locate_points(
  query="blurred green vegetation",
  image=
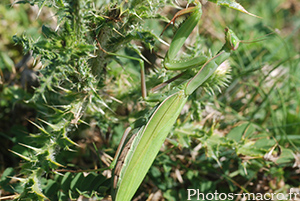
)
(61, 107)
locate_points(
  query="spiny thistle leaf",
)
(22, 156)
(40, 127)
(37, 150)
(36, 187)
(56, 127)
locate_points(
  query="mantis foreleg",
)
(180, 36)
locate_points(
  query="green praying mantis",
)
(132, 162)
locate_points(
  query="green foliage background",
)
(64, 102)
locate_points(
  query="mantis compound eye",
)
(231, 39)
(235, 44)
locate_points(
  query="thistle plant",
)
(74, 75)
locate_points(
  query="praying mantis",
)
(133, 161)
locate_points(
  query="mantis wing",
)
(146, 146)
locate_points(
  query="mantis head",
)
(232, 41)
